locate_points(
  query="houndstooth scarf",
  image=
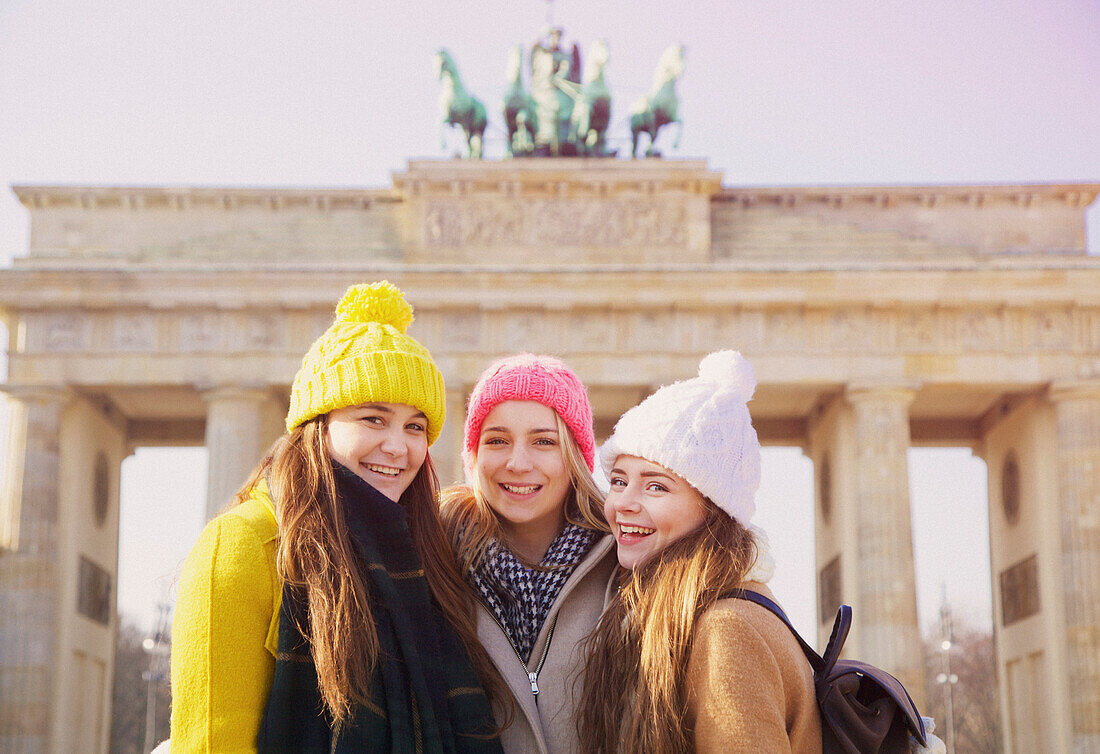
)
(520, 597)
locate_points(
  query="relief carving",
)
(555, 222)
(64, 332)
(1020, 591)
(1053, 329)
(93, 592)
(261, 332)
(980, 330)
(786, 329)
(134, 332)
(587, 333)
(199, 332)
(849, 330)
(917, 329)
(648, 328)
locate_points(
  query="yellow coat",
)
(225, 631)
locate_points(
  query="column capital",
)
(42, 394)
(1074, 390)
(900, 391)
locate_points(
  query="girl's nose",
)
(624, 500)
(393, 444)
(518, 460)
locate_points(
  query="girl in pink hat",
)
(529, 532)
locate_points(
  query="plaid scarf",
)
(521, 597)
(425, 695)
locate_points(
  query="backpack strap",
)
(750, 596)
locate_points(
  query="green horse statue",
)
(519, 109)
(459, 108)
(658, 109)
(592, 108)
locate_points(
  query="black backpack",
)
(864, 709)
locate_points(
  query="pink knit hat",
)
(527, 377)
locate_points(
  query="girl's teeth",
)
(384, 470)
(636, 530)
(518, 490)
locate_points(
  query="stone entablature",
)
(913, 222)
(568, 213)
(113, 226)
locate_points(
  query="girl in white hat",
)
(675, 664)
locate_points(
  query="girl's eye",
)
(373, 419)
(416, 427)
(656, 487)
(546, 441)
(493, 441)
(617, 482)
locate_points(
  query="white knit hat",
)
(700, 429)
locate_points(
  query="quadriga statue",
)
(658, 108)
(592, 106)
(520, 117)
(459, 108)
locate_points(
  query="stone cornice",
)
(1074, 283)
(191, 197)
(1076, 195)
(573, 176)
(691, 176)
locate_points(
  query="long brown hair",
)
(634, 696)
(316, 553)
(472, 525)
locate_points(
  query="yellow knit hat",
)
(365, 356)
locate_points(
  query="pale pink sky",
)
(341, 93)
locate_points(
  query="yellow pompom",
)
(381, 302)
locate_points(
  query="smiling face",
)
(649, 508)
(385, 444)
(522, 474)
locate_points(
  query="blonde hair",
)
(316, 554)
(473, 525)
(634, 696)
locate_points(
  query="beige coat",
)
(545, 724)
(750, 688)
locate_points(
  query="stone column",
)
(1077, 421)
(238, 426)
(447, 450)
(887, 594)
(29, 569)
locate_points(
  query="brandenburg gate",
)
(876, 318)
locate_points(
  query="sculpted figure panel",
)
(199, 332)
(134, 332)
(917, 329)
(786, 329)
(1053, 328)
(61, 332)
(261, 332)
(555, 222)
(981, 330)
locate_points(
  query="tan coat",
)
(545, 724)
(750, 688)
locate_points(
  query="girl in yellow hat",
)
(324, 610)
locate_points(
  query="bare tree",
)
(129, 697)
(976, 712)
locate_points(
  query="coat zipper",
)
(532, 677)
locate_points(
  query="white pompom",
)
(732, 368)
